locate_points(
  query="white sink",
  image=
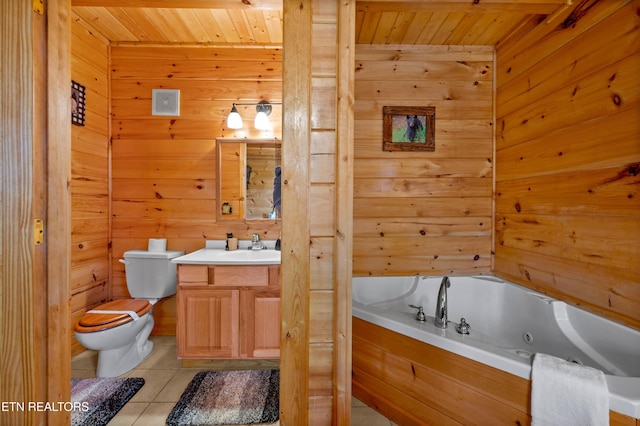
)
(211, 256)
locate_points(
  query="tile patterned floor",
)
(166, 379)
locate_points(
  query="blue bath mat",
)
(97, 401)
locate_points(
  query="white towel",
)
(565, 393)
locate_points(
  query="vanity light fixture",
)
(234, 121)
(263, 110)
(261, 122)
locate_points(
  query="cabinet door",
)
(208, 323)
(261, 324)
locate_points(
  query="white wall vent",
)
(165, 102)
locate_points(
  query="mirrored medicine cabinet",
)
(248, 176)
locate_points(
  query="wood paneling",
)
(164, 168)
(186, 21)
(444, 22)
(259, 22)
(330, 212)
(294, 342)
(457, 80)
(316, 346)
(404, 379)
(343, 249)
(410, 376)
(567, 160)
(58, 195)
(22, 156)
(424, 212)
(90, 233)
(203, 4)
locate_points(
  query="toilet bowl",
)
(121, 338)
(120, 329)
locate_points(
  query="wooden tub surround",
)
(414, 383)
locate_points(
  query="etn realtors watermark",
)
(43, 406)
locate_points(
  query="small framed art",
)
(409, 128)
(78, 99)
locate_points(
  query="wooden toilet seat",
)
(123, 311)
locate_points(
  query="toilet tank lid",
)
(169, 254)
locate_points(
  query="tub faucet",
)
(441, 306)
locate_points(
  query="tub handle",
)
(463, 327)
(420, 316)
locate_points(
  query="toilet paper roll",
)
(157, 244)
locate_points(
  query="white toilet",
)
(120, 329)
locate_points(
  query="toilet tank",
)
(150, 275)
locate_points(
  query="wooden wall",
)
(322, 212)
(568, 158)
(164, 167)
(163, 184)
(424, 212)
(90, 176)
(295, 357)
(316, 264)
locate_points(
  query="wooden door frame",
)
(22, 377)
(343, 257)
(36, 164)
(295, 268)
(58, 220)
(297, 93)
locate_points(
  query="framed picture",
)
(78, 94)
(409, 128)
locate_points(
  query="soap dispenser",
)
(278, 243)
(232, 243)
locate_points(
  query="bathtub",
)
(508, 324)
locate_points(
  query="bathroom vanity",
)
(228, 304)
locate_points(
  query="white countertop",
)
(215, 254)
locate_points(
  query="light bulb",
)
(262, 121)
(234, 121)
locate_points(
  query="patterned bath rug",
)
(97, 401)
(229, 398)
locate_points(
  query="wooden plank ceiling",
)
(259, 22)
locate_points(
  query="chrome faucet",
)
(255, 243)
(441, 306)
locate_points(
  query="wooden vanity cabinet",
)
(229, 312)
(260, 311)
(208, 323)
